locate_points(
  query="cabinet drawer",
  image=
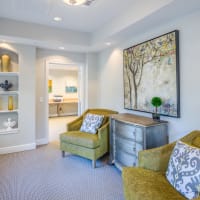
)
(129, 131)
(125, 158)
(128, 146)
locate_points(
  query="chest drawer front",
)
(129, 131)
(125, 158)
(128, 146)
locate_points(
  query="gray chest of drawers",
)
(130, 134)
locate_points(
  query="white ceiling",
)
(80, 18)
(103, 20)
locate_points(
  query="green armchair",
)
(147, 181)
(90, 146)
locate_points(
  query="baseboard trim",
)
(18, 148)
(42, 141)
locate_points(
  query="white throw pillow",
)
(91, 123)
(183, 171)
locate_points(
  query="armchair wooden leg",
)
(94, 163)
(63, 154)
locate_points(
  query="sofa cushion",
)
(91, 123)
(81, 139)
(183, 171)
(140, 183)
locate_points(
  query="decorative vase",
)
(6, 85)
(156, 116)
(5, 62)
(10, 103)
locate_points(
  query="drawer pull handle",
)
(134, 133)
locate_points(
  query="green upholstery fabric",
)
(146, 184)
(81, 139)
(91, 146)
(157, 159)
(147, 181)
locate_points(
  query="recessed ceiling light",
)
(61, 48)
(74, 2)
(78, 2)
(108, 43)
(57, 19)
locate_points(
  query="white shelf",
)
(9, 73)
(9, 111)
(4, 131)
(9, 92)
(12, 77)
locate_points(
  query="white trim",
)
(18, 148)
(42, 141)
(81, 92)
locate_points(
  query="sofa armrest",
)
(156, 159)
(75, 125)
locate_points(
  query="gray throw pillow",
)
(183, 171)
(91, 123)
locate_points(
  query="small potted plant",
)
(156, 102)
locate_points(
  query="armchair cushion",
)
(184, 170)
(91, 123)
(144, 184)
(81, 139)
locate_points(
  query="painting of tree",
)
(152, 69)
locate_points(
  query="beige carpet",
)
(42, 174)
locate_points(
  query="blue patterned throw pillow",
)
(183, 171)
(91, 123)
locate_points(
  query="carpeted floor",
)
(42, 174)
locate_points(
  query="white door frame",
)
(81, 102)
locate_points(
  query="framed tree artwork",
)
(151, 69)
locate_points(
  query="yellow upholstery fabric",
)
(157, 159)
(146, 184)
(81, 138)
(147, 181)
(196, 141)
(91, 146)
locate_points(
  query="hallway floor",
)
(57, 125)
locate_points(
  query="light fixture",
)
(57, 19)
(108, 43)
(61, 48)
(78, 2)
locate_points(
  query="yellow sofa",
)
(147, 181)
(91, 146)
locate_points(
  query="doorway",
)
(64, 96)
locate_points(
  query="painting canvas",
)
(70, 89)
(50, 86)
(151, 69)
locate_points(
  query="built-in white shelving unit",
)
(12, 76)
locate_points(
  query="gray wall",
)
(93, 84)
(103, 81)
(89, 81)
(111, 73)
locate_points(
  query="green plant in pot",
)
(156, 102)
